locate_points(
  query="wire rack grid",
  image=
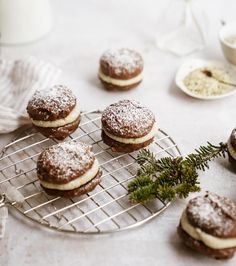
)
(106, 208)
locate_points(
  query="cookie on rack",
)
(208, 225)
(54, 112)
(128, 126)
(120, 69)
(231, 144)
(68, 169)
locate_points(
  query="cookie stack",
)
(128, 126)
(208, 225)
(68, 169)
(54, 112)
(120, 69)
(231, 144)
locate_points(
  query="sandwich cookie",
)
(231, 145)
(54, 112)
(68, 169)
(208, 225)
(128, 126)
(120, 69)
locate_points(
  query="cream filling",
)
(76, 183)
(120, 82)
(73, 115)
(147, 137)
(231, 149)
(208, 240)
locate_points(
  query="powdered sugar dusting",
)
(123, 60)
(128, 119)
(56, 99)
(213, 213)
(66, 160)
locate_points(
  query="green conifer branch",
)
(168, 178)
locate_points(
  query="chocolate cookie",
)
(68, 169)
(120, 69)
(127, 126)
(231, 144)
(54, 112)
(208, 225)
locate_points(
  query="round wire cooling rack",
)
(106, 208)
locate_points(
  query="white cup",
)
(229, 50)
(24, 21)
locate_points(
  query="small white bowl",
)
(229, 50)
(193, 64)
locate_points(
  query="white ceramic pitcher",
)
(24, 21)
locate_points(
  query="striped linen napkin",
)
(18, 81)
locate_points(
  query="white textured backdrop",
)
(82, 30)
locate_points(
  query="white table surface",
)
(82, 30)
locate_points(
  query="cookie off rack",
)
(105, 209)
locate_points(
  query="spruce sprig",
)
(168, 178)
(202, 156)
